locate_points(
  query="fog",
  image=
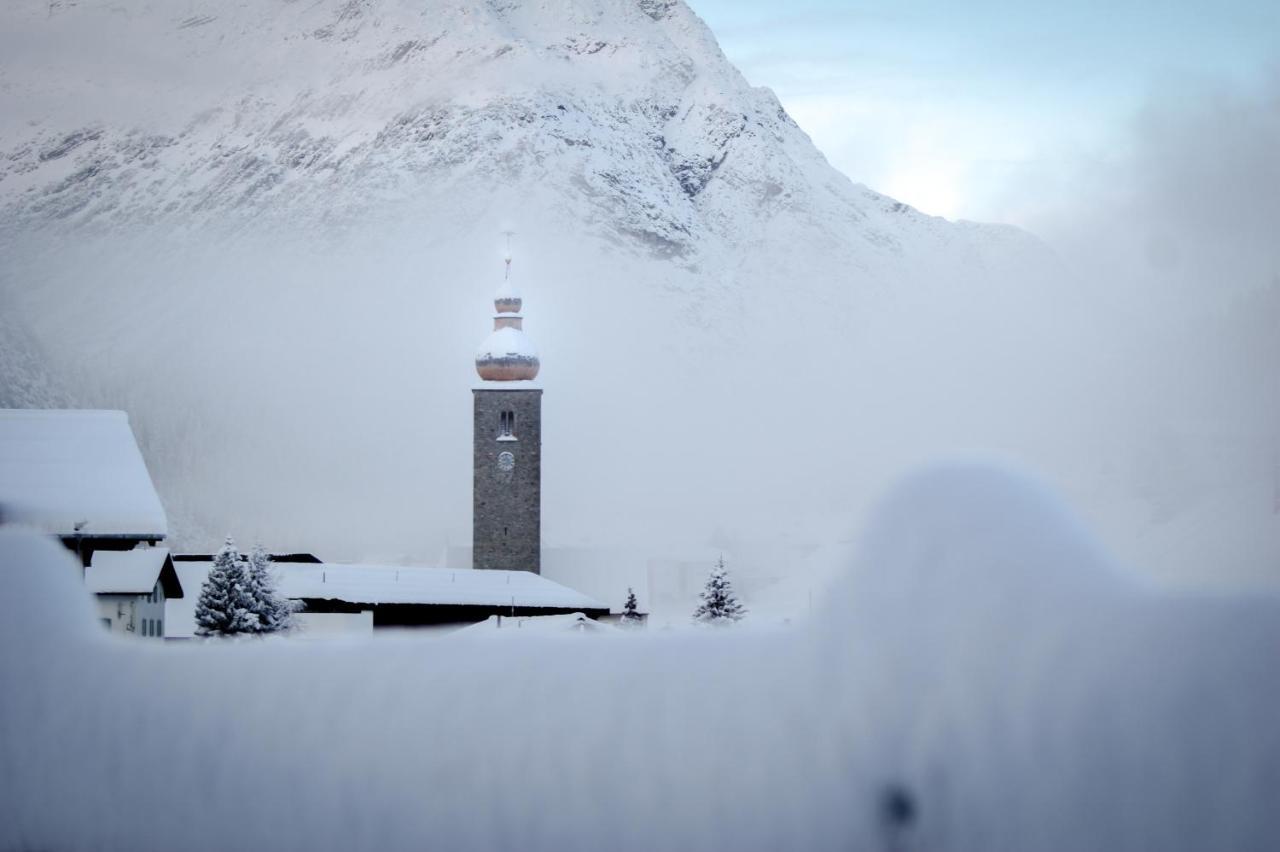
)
(307, 385)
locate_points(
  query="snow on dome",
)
(507, 355)
(508, 299)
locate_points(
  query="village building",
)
(345, 598)
(131, 587)
(79, 476)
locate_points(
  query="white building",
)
(131, 587)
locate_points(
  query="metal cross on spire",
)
(509, 235)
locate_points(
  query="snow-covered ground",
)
(980, 678)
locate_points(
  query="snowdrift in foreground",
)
(983, 679)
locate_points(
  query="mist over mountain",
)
(270, 232)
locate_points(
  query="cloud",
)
(1171, 238)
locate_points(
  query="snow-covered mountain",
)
(334, 111)
(270, 230)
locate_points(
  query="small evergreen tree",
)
(239, 596)
(227, 604)
(719, 604)
(631, 611)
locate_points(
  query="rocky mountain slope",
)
(331, 112)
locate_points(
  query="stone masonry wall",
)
(507, 498)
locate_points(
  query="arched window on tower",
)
(507, 426)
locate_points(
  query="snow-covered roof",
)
(60, 468)
(388, 584)
(374, 584)
(125, 572)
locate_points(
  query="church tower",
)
(506, 525)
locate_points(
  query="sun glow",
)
(930, 187)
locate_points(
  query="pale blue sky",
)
(972, 109)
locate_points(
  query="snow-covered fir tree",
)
(631, 611)
(275, 611)
(227, 604)
(239, 596)
(719, 605)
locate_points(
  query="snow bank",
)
(1033, 696)
(982, 679)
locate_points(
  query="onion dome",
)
(507, 300)
(507, 355)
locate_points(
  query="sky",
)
(983, 109)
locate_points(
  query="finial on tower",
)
(507, 355)
(507, 300)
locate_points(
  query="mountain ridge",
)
(336, 110)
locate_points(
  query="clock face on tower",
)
(506, 462)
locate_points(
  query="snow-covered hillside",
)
(330, 112)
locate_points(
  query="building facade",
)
(131, 589)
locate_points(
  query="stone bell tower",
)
(506, 525)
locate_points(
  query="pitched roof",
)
(131, 572)
(377, 584)
(373, 585)
(63, 468)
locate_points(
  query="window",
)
(507, 425)
(159, 628)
